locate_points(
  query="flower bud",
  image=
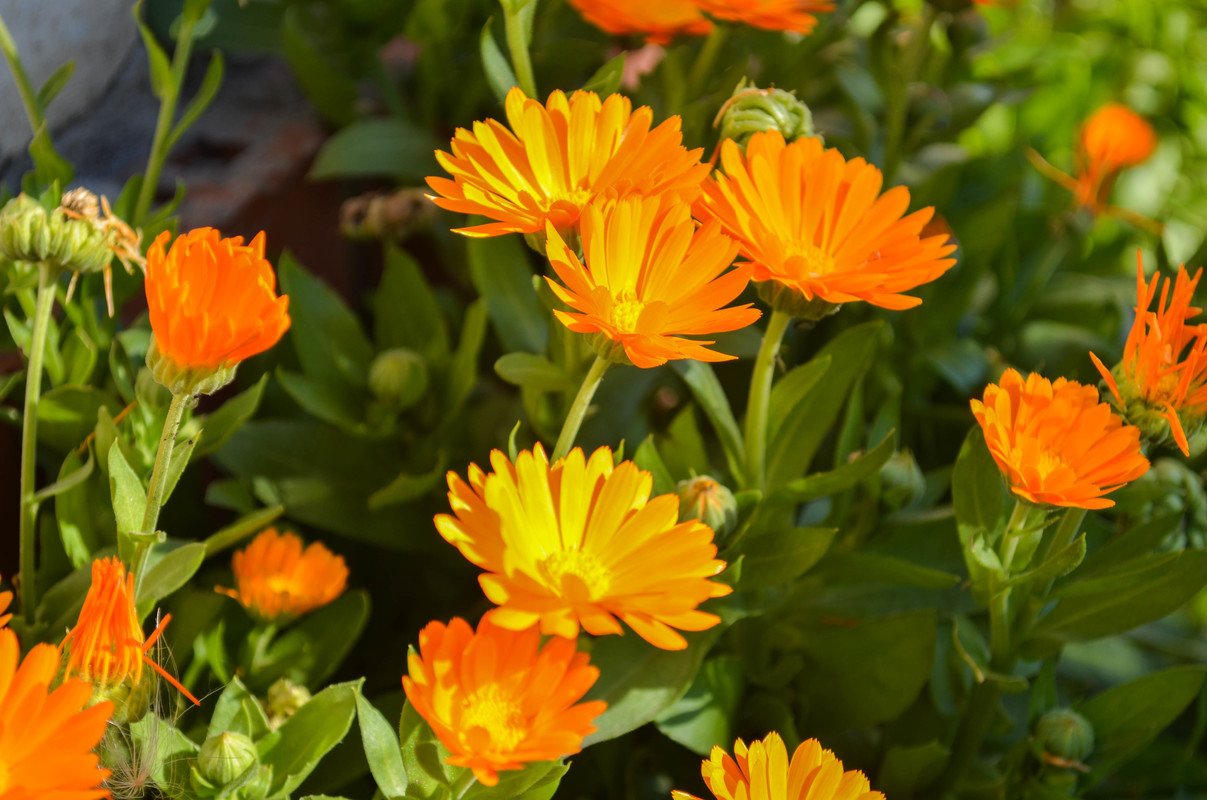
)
(398, 378)
(30, 233)
(705, 499)
(284, 699)
(1065, 734)
(226, 756)
(751, 109)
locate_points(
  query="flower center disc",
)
(580, 576)
(492, 718)
(811, 261)
(626, 311)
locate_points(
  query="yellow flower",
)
(649, 274)
(47, 736)
(556, 157)
(1056, 443)
(764, 772)
(498, 699)
(275, 578)
(580, 543)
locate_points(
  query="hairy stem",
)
(760, 399)
(159, 481)
(578, 409)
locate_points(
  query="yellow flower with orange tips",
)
(580, 543)
(796, 16)
(763, 771)
(212, 303)
(497, 699)
(1161, 383)
(554, 158)
(47, 736)
(649, 274)
(276, 578)
(106, 647)
(817, 226)
(1056, 443)
(659, 22)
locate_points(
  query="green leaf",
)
(530, 371)
(218, 426)
(502, 274)
(702, 717)
(310, 651)
(295, 748)
(1056, 566)
(241, 528)
(908, 768)
(405, 309)
(494, 64)
(798, 437)
(174, 751)
(779, 556)
(463, 371)
(369, 148)
(1127, 717)
(791, 390)
(407, 487)
(206, 93)
(161, 70)
(423, 756)
(76, 511)
(382, 750)
(606, 79)
(182, 453)
(330, 343)
(709, 394)
(67, 481)
(837, 480)
(336, 403)
(977, 490)
(533, 782)
(67, 415)
(239, 711)
(648, 458)
(55, 83)
(326, 83)
(127, 493)
(166, 572)
(868, 567)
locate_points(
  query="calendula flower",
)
(212, 303)
(775, 15)
(1161, 383)
(580, 543)
(5, 599)
(275, 578)
(497, 699)
(816, 227)
(763, 771)
(649, 275)
(556, 157)
(47, 736)
(1056, 442)
(659, 22)
(107, 649)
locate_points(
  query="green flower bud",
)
(284, 699)
(398, 378)
(751, 109)
(226, 756)
(902, 480)
(131, 700)
(710, 502)
(789, 300)
(1065, 734)
(30, 233)
(178, 379)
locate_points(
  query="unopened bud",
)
(751, 109)
(226, 756)
(705, 499)
(284, 699)
(398, 378)
(1065, 734)
(30, 233)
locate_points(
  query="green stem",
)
(517, 44)
(706, 58)
(1034, 594)
(971, 732)
(760, 399)
(159, 481)
(29, 98)
(999, 601)
(163, 123)
(29, 440)
(578, 409)
(898, 98)
(462, 785)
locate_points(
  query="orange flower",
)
(1162, 379)
(106, 647)
(1112, 139)
(1056, 443)
(276, 578)
(816, 224)
(659, 21)
(212, 303)
(497, 699)
(47, 737)
(558, 156)
(5, 599)
(764, 772)
(581, 543)
(649, 274)
(775, 15)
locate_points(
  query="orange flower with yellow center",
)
(649, 274)
(47, 737)
(581, 543)
(212, 303)
(1162, 379)
(275, 578)
(497, 699)
(106, 647)
(659, 22)
(811, 221)
(763, 771)
(775, 15)
(556, 157)
(1056, 442)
